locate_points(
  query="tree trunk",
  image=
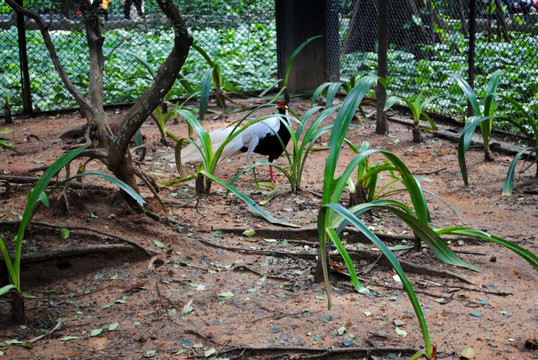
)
(417, 136)
(93, 113)
(119, 159)
(97, 118)
(7, 112)
(358, 197)
(91, 107)
(18, 315)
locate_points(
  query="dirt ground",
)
(122, 285)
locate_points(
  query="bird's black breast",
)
(270, 145)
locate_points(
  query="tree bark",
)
(417, 136)
(18, 314)
(119, 158)
(95, 41)
(93, 113)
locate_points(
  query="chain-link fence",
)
(428, 39)
(238, 35)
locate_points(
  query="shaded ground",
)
(204, 291)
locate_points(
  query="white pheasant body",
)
(259, 138)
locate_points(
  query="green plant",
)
(210, 157)
(205, 172)
(37, 195)
(331, 89)
(364, 188)
(215, 74)
(483, 116)
(330, 231)
(525, 254)
(302, 146)
(332, 190)
(416, 218)
(417, 107)
(529, 128)
(247, 200)
(4, 143)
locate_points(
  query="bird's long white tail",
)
(191, 155)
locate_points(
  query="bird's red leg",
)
(271, 172)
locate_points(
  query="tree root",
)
(92, 154)
(311, 235)
(354, 254)
(72, 251)
(75, 251)
(311, 353)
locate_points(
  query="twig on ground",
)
(310, 234)
(436, 172)
(279, 315)
(246, 268)
(47, 334)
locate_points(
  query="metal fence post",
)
(472, 47)
(26, 95)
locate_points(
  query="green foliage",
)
(416, 218)
(525, 254)
(365, 187)
(245, 52)
(283, 87)
(35, 196)
(484, 116)
(303, 140)
(417, 106)
(247, 200)
(332, 189)
(125, 80)
(210, 157)
(331, 88)
(214, 73)
(408, 287)
(201, 8)
(528, 126)
(6, 144)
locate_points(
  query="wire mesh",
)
(239, 36)
(428, 39)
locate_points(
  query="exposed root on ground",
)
(311, 353)
(354, 254)
(72, 250)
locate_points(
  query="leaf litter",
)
(271, 286)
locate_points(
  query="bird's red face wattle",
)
(281, 105)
